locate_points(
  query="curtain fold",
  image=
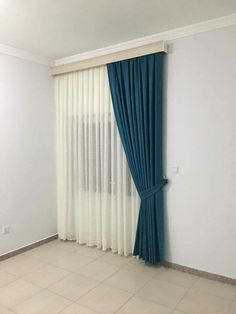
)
(136, 89)
(97, 201)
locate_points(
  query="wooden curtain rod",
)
(109, 58)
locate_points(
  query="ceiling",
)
(60, 28)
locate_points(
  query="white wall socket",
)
(5, 229)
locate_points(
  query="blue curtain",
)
(136, 89)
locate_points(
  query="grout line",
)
(230, 307)
(70, 273)
(131, 297)
(65, 308)
(22, 276)
(27, 298)
(102, 282)
(181, 299)
(180, 311)
(74, 303)
(48, 263)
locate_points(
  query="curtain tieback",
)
(147, 193)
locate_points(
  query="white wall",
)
(27, 170)
(201, 140)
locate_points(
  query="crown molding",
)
(166, 36)
(22, 54)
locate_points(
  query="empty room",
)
(117, 156)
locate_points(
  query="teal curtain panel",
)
(136, 87)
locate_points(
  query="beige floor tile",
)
(232, 308)
(163, 292)
(47, 253)
(89, 251)
(46, 276)
(44, 302)
(104, 299)
(138, 266)
(196, 302)
(6, 278)
(177, 277)
(159, 290)
(73, 246)
(114, 259)
(33, 252)
(73, 286)
(4, 310)
(21, 265)
(68, 246)
(128, 280)
(216, 288)
(140, 306)
(73, 262)
(98, 270)
(16, 292)
(77, 309)
(7, 312)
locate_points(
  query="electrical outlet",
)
(5, 229)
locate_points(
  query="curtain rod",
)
(109, 58)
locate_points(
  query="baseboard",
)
(28, 247)
(201, 273)
(193, 271)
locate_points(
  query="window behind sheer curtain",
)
(97, 200)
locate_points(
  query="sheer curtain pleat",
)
(97, 201)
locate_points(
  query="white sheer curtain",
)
(97, 200)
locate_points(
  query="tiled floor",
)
(66, 278)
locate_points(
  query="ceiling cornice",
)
(170, 35)
(22, 54)
(166, 36)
